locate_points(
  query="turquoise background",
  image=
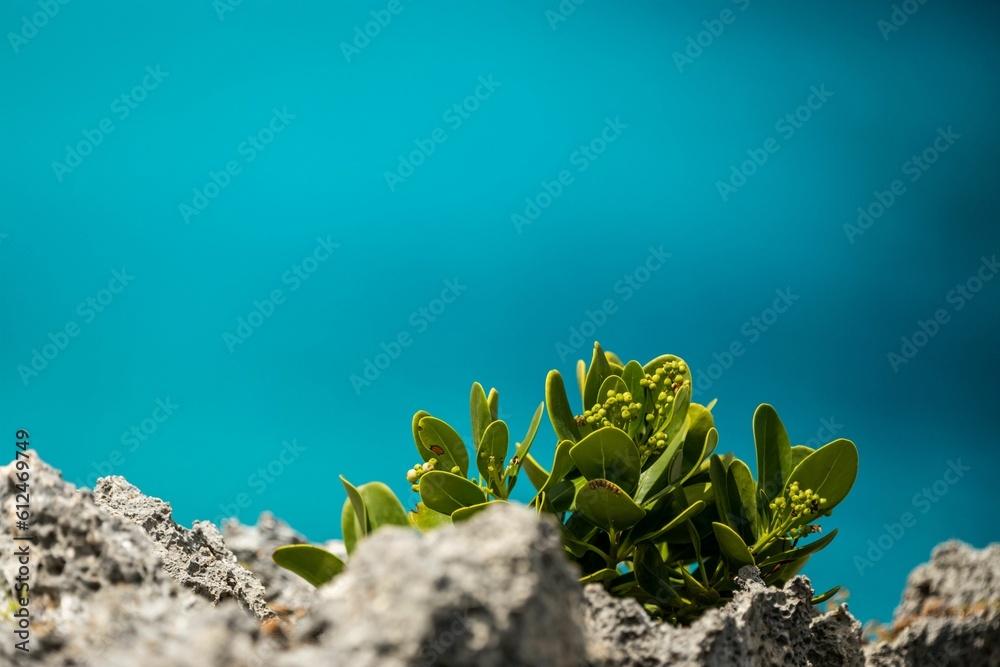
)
(522, 288)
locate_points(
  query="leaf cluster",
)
(646, 506)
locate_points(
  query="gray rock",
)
(949, 614)
(761, 626)
(115, 582)
(98, 593)
(495, 591)
(198, 558)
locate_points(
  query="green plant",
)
(645, 505)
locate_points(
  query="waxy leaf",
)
(742, 501)
(656, 477)
(696, 507)
(734, 549)
(608, 453)
(467, 512)
(378, 507)
(560, 414)
(445, 445)
(606, 506)
(425, 453)
(425, 519)
(633, 375)
(525, 445)
(480, 410)
(315, 565)
(799, 552)
(493, 400)
(830, 471)
(599, 370)
(357, 527)
(444, 492)
(493, 452)
(537, 475)
(774, 453)
(800, 452)
(651, 573)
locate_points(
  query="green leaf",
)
(774, 453)
(560, 414)
(633, 375)
(353, 517)
(800, 452)
(695, 507)
(607, 574)
(468, 512)
(608, 453)
(525, 446)
(719, 473)
(697, 445)
(605, 505)
(480, 410)
(315, 565)
(652, 574)
(537, 475)
(425, 519)
(742, 501)
(493, 400)
(599, 370)
(494, 444)
(830, 471)
(562, 465)
(425, 453)
(734, 549)
(656, 476)
(825, 596)
(444, 492)
(799, 552)
(378, 507)
(445, 444)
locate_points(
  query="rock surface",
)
(950, 613)
(115, 582)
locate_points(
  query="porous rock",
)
(98, 593)
(495, 591)
(761, 626)
(949, 615)
(198, 558)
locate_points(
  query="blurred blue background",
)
(213, 154)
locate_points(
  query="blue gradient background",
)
(324, 175)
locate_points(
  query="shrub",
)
(645, 505)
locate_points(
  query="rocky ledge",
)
(115, 582)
